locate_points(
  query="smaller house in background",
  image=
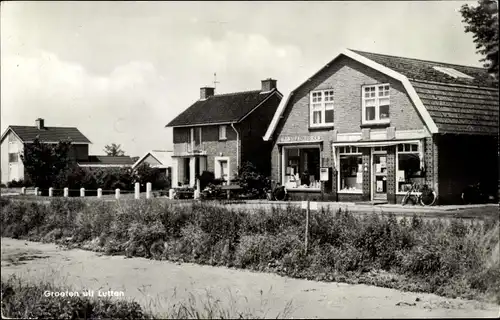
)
(105, 161)
(160, 159)
(15, 137)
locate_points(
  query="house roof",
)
(162, 156)
(103, 160)
(221, 108)
(416, 69)
(48, 134)
(446, 104)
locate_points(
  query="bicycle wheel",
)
(280, 194)
(428, 199)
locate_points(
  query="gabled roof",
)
(103, 160)
(162, 156)
(416, 69)
(446, 104)
(221, 108)
(48, 134)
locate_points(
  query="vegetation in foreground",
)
(453, 259)
(22, 300)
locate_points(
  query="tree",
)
(43, 162)
(482, 21)
(114, 150)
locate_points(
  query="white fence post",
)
(137, 189)
(36, 191)
(117, 193)
(66, 192)
(82, 192)
(23, 190)
(171, 194)
(148, 190)
(99, 193)
(51, 192)
(197, 190)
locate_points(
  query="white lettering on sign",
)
(300, 139)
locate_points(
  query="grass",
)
(32, 300)
(453, 258)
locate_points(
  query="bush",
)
(254, 184)
(453, 259)
(19, 183)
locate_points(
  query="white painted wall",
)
(11, 171)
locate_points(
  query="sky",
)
(120, 71)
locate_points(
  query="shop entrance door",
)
(379, 174)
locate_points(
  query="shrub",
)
(430, 255)
(19, 183)
(252, 181)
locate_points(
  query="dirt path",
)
(159, 284)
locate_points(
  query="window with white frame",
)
(376, 103)
(222, 132)
(321, 110)
(350, 169)
(409, 165)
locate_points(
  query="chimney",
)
(40, 124)
(268, 85)
(206, 92)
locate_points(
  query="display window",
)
(350, 170)
(302, 168)
(409, 166)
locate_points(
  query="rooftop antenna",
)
(215, 81)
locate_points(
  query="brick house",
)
(219, 132)
(15, 137)
(367, 125)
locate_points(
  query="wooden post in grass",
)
(23, 191)
(66, 192)
(82, 192)
(306, 241)
(51, 192)
(117, 194)
(148, 190)
(36, 191)
(137, 189)
(99, 193)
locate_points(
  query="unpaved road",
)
(159, 284)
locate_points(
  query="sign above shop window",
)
(301, 139)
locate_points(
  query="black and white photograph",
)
(249, 159)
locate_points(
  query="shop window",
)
(350, 169)
(302, 168)
(409, 166)
(321, 108)
(376, 103)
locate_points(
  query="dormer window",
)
(321, 108)
(376, 103)
(453, 73)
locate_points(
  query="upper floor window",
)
(321, 110)
(222, 132)
(13, 157)
(376, 102)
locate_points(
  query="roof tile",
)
(221, 108)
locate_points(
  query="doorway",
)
(379, 173)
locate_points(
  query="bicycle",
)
(424, 195)
(475, 194)
(279, 194)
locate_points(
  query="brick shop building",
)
(367, 126)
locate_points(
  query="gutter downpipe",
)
(237, 147)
